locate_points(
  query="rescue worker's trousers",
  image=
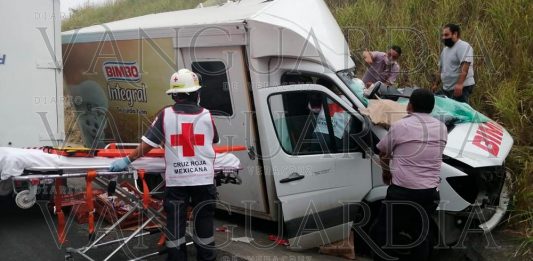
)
(202, 199)
(407, 223)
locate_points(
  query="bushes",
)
(501, 35)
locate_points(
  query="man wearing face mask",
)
(382, 66)
(456, 66)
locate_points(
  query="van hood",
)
(479, 144)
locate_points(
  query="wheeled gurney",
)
(33, 166)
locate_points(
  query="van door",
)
(309, 135)
(226, 94)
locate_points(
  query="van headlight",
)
(482, 185)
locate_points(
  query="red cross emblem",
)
(187, 139)
(334, 108)
(175, 78)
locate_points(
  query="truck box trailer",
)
(31, 77)
(261, 64)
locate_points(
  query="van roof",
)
(303, 28)
(230, 12)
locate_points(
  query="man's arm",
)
(395, 71)
(436, 76)
(385, 147)
(436, 81)
(466, 61)
(216, 138)
(151, 139)
(384, 162)
(458, 89)
(142, 149)
(124, 162)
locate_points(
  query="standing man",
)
(414, 147)
(382, 66)
(456, 66)
(188, 133)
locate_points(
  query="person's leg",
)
(442, 92)
(383, 233)
(428, 200)
(403, 221)
(175, 205)
(409, 208)
(203, 200)
(467, 91)
(380, 233)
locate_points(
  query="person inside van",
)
(340, 118)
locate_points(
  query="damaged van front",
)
(474, 180)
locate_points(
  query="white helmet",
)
(184, 81)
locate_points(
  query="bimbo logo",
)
(489, 138)
(121, 71)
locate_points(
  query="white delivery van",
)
(31, 85)
(265, 67)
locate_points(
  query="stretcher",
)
(30, 167)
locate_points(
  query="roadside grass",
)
(117, 10)
(500, 32)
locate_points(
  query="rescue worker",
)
(188, 133)
(411, 159)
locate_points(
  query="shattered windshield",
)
(446, 110)
(356, 85)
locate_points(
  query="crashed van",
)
(261, 64)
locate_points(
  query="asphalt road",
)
(26, 235)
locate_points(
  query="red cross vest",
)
(340, 119)
(189, 153)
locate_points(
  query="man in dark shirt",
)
(188, 133)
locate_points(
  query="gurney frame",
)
(100, 176)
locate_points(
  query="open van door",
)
(314, 142)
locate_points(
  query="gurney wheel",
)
(24, 200)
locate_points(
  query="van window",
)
(214, 94)
(310, 122)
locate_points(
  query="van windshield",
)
(449, 111)
(355, 85)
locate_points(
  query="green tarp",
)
(447, 109)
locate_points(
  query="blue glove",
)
(120, 164)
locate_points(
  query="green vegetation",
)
(501, 35)
(499, 30)
(117, 10)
